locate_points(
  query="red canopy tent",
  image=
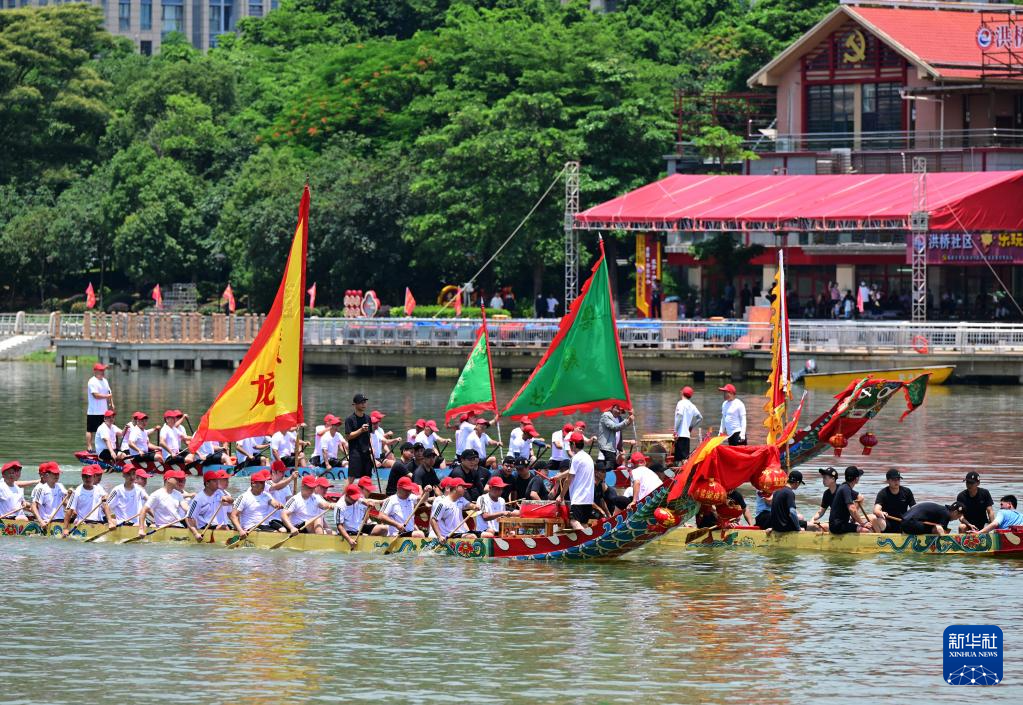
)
(961, 201)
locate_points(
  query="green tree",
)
(717, 143)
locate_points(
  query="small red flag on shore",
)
(228, 296)
(458, 303)
(158, 296)
(90, 296)
(312, 295)
(410, 302)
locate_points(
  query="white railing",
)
(719, 335)
(21, 323)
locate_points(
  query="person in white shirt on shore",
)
(733, 417)
(687, 418)
(48, 496)
(100, 399)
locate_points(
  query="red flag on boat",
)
(458, 303)
(90, 296)
(228, 296)
(410, 302)
(158, 296)
(312, 295)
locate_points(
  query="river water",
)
(101, 623)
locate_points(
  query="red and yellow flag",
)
(265, 394)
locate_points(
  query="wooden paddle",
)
(444, 541)
(10, 514)
(394, 543)
(108, 530)
(365, 518)
(83, 519)
(291, 536)
(149, 533)
(238, 540)
(202, 535)
(63, 503)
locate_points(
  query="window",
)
(124, 16)
(830, 108)
(146, 15)
(273, 4)
(172, 17)
(146, 48)
(221, 19)
(255, 9)
(882, 107)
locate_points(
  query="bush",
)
(208, 309)
(140, 305)
(449, 312)
(118, 307)
(77, 307)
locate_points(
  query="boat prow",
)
(837, 380)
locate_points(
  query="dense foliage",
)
(427, 129)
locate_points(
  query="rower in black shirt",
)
(468, 468)
(844, 508)
(424, 475)
(891, 504)
(829, 478)
(784, 517)
(605, 498)
(357, 433)
(402, 467)
(931, 518)
(978, 507)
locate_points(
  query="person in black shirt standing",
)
(425, 476)
(844, 508)
(357, 432)
(829, 478)
(891, 504)
(402, 467)
(931, 518)
(784, 517)
(978, 507)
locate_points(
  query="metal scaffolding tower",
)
(571, 238)
(918, 227)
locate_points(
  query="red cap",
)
(170, 414)
(580, 424)
(496, 481)
(331, 420)
(98, 367)
(323, 482)
(109, 414)
(87, 470)
(687, 392)
(375, 416)
(353, 491)
(365, 483)
(457, 482)
(310, 481)
(431, 424)
(14, 464)
(139, 472)
(530, 430)
(261, 476)
(566, 428)
(406, 483)
(278, 466)
(174, 474)
(139, 415)
(445, 482)
(420, 423)
(464, 417)
(49, 466)
(727, 388)
(577, 438)
(481, 420)
(210, 475)
(638, 458)
(524, 420)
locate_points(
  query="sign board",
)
(648, 268)
(971, 248)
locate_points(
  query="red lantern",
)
(770, 479)
(709, 491)
(838, 442)
(666, 518)
(729, 511)
(869, 440)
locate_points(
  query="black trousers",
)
(681, 449)
(359, 465)
(735, 440)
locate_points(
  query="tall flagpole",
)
(490, 367)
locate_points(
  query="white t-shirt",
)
(49, 498)
(515, 442)
(686, 416)
(400, 510)
(249, 446)
(327, 446)
(252, 508)
(106, 438)
(448, 514)
(428, 441)
(733, 417)
(496, 302)
(205, 507)
(83, 501)
(139, 437)
(126, 503)
(170, 437)
(301, 509)
(410, 435)
(10, 499)
(478, 443)
(648, 480)
(350, 515)
(581, 470)
(558, 453)
(376, 441)
(97, 386)
(464, 429)
(166, 506)
(283, 443)
(486, 505)
(282, 495)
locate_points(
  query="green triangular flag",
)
(474, 390)
(582, 370)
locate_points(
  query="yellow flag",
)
(265, 393)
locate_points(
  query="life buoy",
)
(446, 294)
(921, 344)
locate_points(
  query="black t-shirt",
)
(928, 511)
(736, 496)
(782, 504)
(476, 478)
(827, 498)
(536, 484)
(509, 480)
(359, 444)
(975, 508)
(399, 470)
(424, 476)
(844, 496)
(895, 504)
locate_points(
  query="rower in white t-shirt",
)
(279, 487)
(248, 450)
(304, 511)
(282, 445)
(253, 508)
(446, 518)
(410, 435)
(127, 500)
(171, 436)
(12, 496)
(166, 505)
(559, 443)
(644, 480)
(136, 438)
(380, 440)
(399, 507)
(465, 427)
(48, 496)
(206, 505)
(328, 443)
(491, 508)
(106, 440)
(87, 501)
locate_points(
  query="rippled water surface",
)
(102, 623)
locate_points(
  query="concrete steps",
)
(15, 347)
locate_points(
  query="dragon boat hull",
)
(1000, 544)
